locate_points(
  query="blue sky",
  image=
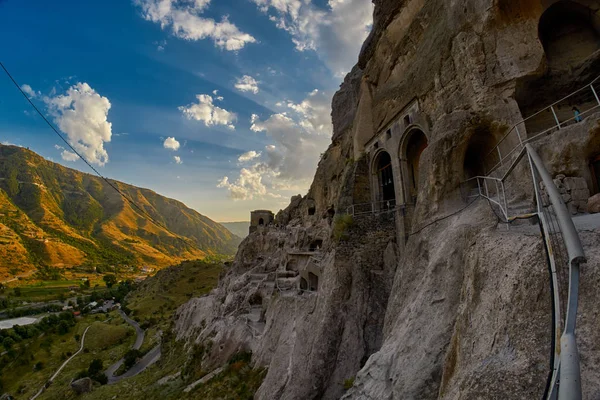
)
(221, 104)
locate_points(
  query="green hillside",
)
(57, 216)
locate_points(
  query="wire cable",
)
(131, 202)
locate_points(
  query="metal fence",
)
(550, 119)
(372, 208)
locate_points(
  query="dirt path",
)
(62, 366)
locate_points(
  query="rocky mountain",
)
(239, 229)
(392, 278)
(58, 216)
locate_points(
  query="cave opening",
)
(316, 245)
(569, 33)
(261, 222)
(476, 160)
(303, 284)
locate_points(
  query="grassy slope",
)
(107, 341)
(57, 216)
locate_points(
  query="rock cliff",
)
(386, 281)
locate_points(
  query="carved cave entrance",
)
(476, 160)
(570, 35)
(385, 176)
(261, 222)
(414, 145)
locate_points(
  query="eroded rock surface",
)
(425, 296)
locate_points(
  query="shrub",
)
(348, 383)
(341, 225)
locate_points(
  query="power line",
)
(131, 202)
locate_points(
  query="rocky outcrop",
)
(83, 385)
(432, 299)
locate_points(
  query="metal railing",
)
(513, 141)
(565, 253)
(372, 208)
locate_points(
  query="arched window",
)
(313, 282)
(414, 145)
(261, 222)
(385, 177)
(569, 32)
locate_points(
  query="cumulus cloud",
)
(29, 91)
(335, 32)
(247, 84)
(82, 114)
(171, 143)
(66, 154)
(184, 18)
(177, 160)
(249, 156)
(298, 138)
(205, 110)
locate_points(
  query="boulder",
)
(593, 204)
(83, 385)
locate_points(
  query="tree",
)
(131, 357)
(8, 343)
(110, 280)
(95, 366)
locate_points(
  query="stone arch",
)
(382, 170)
(313, 282)
(303, 284)
(414, 142)
(569, 33)
(292, 265)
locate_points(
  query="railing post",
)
(555, 117)
(487, 192)
(595, 94)
(499, 154)
(505, 203)
(478, 186)
(518, 134)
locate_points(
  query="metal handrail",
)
(522, 141)
(567, 367)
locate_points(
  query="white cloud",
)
(298, 138)
(215, 92)
(247, 84)
(82, 114)
(177, 160)
(69, 156)
(336, 33)
(171, 143)
(29, 91)
(160, 45)
(206, 111)
(249, 156)
(184, 19)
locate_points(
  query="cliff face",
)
(57, 216)
(431, 298)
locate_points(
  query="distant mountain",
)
(57, 216)
(237, 228)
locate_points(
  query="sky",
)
(221, 104)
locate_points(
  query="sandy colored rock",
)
(593, 204)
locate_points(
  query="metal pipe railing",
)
(515, 128)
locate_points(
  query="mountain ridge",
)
(54, 215)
